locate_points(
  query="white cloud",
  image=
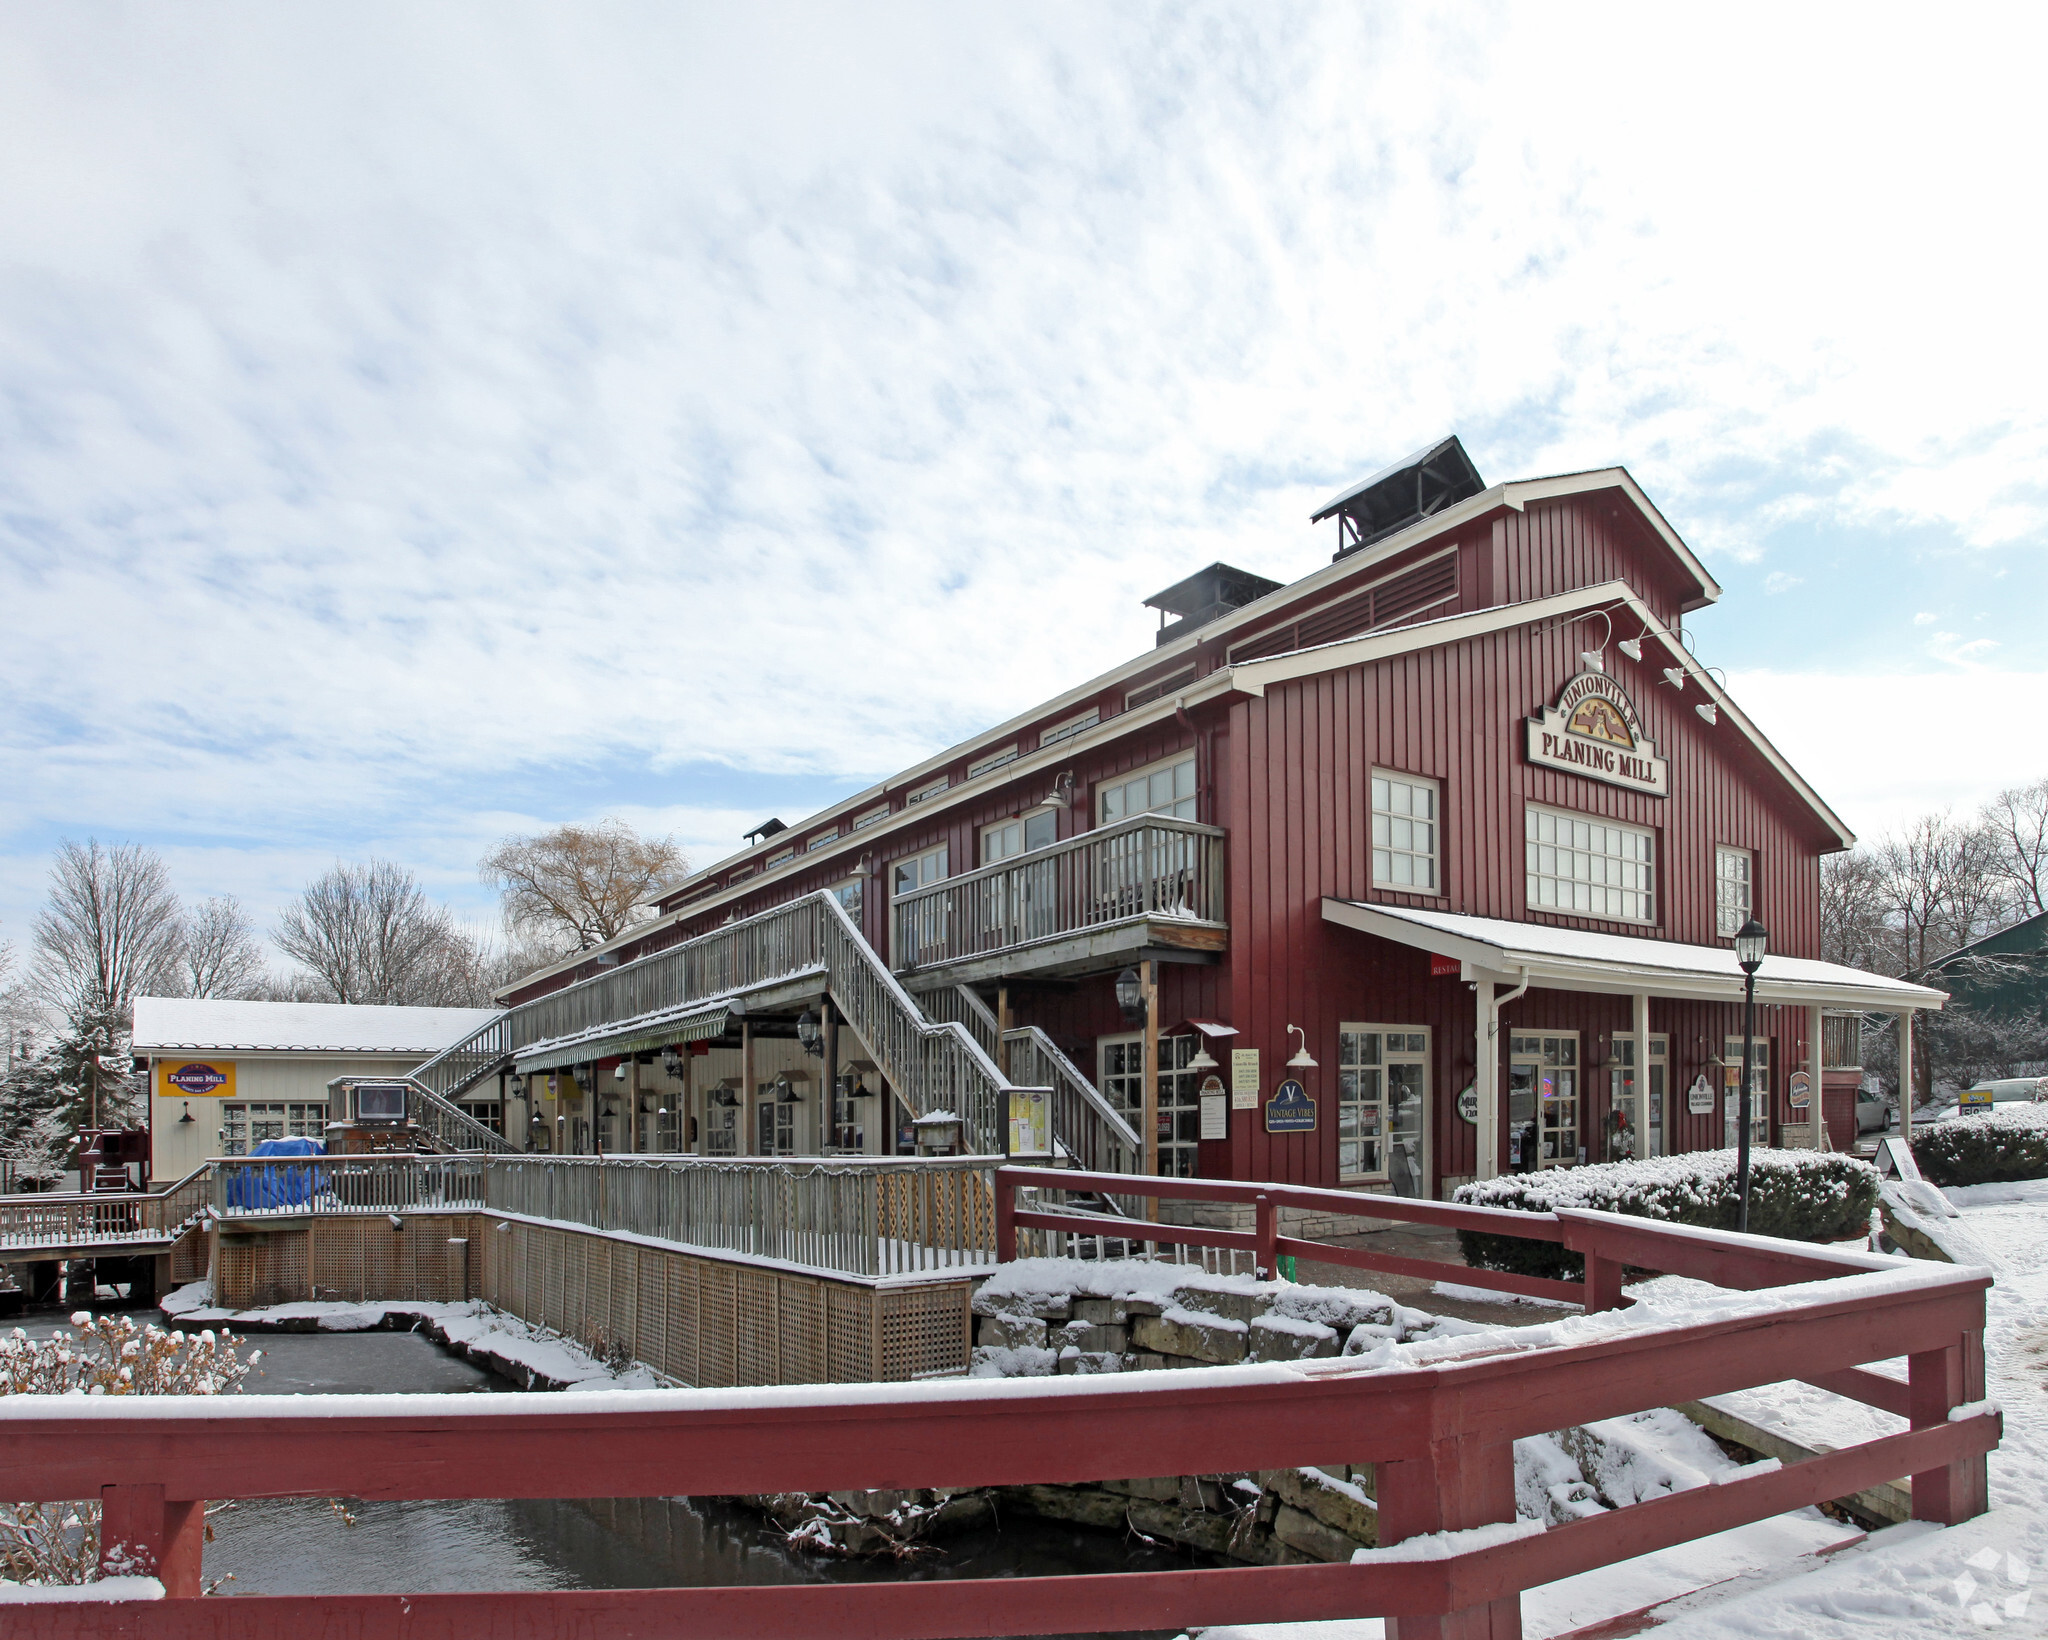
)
(409, 413)
(1778, 581)
(1925, 618)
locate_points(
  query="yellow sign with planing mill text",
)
(195, 1079)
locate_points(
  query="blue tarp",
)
(250, 1188)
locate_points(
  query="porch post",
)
(828, 1107)
(746, 1144)
(1816, 1063)
(1906, 1072)
(1486, 1080)
(1640, 1113)
(1148, 985)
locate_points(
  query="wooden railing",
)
(257, 1187)
(54, 1221)
(853, 1216)
(1440, 1433)
(1151, 865)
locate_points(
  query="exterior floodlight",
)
(1674, 676)
(1591, 661)
(1631, 647)
(1130, 996)
(1301, 1060)
(1708, 712)
(808, 1033)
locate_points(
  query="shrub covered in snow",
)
(1806, 1195)
(2006, 1144)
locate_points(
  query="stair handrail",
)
(450, 1124)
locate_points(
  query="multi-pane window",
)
(1759, 1090)
(781, 857)
(1382, 1092)
(1071, 727)
(871, 816)
(993, 760)
(850, 895)
(245, 1124)
(822, 839)
(490, 1112)
(1732, 891)
(775, 1123)
(1008, 838)
(1543, 1100)
(920, 870)
(1180, 1106)
(931, 790)
(1590, 867)
(1642, 1131)
(1167, 789)
(1404, 832)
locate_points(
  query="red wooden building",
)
(1406, 867)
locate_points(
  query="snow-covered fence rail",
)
(52, 1222)
(247, 1187)
(1438, 1423)
(889, 1216)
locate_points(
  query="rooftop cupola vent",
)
(1204, 596)
(1417, 487)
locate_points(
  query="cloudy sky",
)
(422, 424)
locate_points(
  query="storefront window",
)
(1543, 1101)
(1382, 1097)
(1589, 867)
(1122, 1081)
(775, 1123)
(247, 1124)
(1759, 1089)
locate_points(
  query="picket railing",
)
(258, 1187)
(92, 1220)
(1149, 866)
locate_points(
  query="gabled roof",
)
(2024, 938)
(211, 1025)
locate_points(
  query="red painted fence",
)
(1442, 1435)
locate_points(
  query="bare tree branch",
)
(221, 956)
(110, 930)
(2017, 821)
(369, 934)
(579, 886)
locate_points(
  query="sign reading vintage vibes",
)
(1593, 730)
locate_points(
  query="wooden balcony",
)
(1149, 885)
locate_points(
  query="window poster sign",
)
(195, 1078)
(1290, 1110)
(1030, 1130)
(1593, 730)
(1215, 1109)
(1699, 1098)
(1800, 1090)
(1244, 1078)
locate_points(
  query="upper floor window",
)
(1589, 867)
(1733, 893)
(781, 856)
(1071, 727)
(849, 895)
(1008, 838)
(879, 812)
(930, 790)
(822, 839)
(1159, 690)
(919, 871)
(1404, 832)
(1167, 788)
(994, 760)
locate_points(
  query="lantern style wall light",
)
(1130, 996)
(809, 1034)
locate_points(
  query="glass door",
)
(1382, 1106)
(1543, 1100)
(1641, 1133)
(1759, 1091)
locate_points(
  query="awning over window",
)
(644, 1035)
(1574, 959)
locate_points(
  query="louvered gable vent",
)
(1393, 599)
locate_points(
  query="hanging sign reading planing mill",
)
(1593, 730)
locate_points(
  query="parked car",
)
(2004, 1090)
(1874, 1112)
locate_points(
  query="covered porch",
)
(1503, 961)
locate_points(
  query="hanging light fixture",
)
(1675, 677)
(515, 1085)
(1709, 712)
(188, 1116)
(1204, 1060)
(1301, 1060)
(785, 1090)
(619, 1070)
(1631, 647)
(671, 1063)
(809, 1034)
(1591, 660)
(1130, 996)
(723, 1094)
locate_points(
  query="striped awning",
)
(641, 1036)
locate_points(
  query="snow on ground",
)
(1776, 1579)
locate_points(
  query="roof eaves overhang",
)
(1481, 959)
(1255, 677)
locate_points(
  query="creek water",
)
(301, 1546)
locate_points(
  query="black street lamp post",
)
(1750, 944)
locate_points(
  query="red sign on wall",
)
(1442, 967)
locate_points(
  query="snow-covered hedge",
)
(1806, 1195)
(2005, 1144)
